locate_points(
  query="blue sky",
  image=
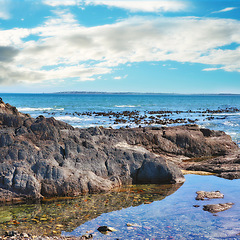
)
(174, 46)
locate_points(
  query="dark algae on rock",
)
(44, 157)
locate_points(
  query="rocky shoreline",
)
(44, 157)
(163, 117)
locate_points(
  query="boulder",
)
(159, 171)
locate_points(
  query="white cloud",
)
(143, 5)
(225, 10)
(66, 49)
(132, 5)
(211, 69)
(55, 3)
(120, 77)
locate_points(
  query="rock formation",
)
(44, 157)
(202, 195)
(215, 208)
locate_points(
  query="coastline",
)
(50, 130)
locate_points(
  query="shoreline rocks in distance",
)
(44, 157)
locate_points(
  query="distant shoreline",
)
(132, 93)
(146, 93)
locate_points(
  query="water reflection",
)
(55, 216)
(174, 217)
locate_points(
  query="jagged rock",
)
(215, 208)
(45, 157)
(202, 195)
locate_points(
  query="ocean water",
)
(72, 108)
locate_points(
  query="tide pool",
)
(154, 211)
(174, 217)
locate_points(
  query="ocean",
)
(217, 112)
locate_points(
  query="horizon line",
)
(119, 93)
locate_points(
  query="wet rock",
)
(133, 225)
(226, 166)
(215, 208)
(202, 195)
(11, 233)
(105, 229)
(196, 206)
(24, 235)
(87, 236)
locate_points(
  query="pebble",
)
(12, 235)
(196, 206)
(104, 229)
(132, 225)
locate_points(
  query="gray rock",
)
(215, 208)
(104, 229)
(202, 195)
(159, 171)
(226, 166)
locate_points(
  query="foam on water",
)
(32, 109)
(69, 119)
(232, 124)
(226, 114)
(125, 106)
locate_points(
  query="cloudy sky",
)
(169, 46)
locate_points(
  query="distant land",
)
(114, 93)
(146, 93)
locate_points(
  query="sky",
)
(159, 46)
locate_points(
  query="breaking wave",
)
(125, 106)
(31, 109)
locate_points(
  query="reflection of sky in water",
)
(175, 217)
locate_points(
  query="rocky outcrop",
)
(202, 195)
(215, 208)
(45, 157)
(226, 166)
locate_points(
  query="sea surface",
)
(155, 212)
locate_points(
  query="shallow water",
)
(54, 215)
(175, 217)
(157, 211)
